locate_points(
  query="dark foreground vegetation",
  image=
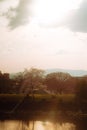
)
(33, 91)
(20, 102)
(21, 106)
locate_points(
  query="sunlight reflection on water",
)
(35, 125)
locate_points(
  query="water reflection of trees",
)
(42, 125)
(45, 125)
(27, 125)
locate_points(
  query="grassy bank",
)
(20, 106)
(19, 102)
(40, 102)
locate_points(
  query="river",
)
(42, 123)
(35, 125)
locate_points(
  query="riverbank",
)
(20, 102)
(23, 107)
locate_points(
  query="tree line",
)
(36, 79)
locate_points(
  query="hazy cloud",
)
(22, 14)
(77, 19)
(19, 15)
(62, 52)
(2, 0)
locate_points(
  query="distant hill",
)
(75, 73)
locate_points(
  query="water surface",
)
(35, 125)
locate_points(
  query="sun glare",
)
(48, 12)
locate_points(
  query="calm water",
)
(35, 125)
(45, 122)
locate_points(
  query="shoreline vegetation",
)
(19, 106)
(32, 91)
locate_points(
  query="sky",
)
(43, 34)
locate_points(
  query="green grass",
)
(40, 102)
(38, 97)
(66, 97)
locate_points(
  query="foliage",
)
(56, 81)
(81, 90)
(32, 79)
(5, 83)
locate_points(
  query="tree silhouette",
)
(56, 81)
(33, 79)
(81, 90)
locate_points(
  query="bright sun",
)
(49, 12)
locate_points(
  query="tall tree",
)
(33, 79)
(55, 81)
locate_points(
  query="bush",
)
(81, 90)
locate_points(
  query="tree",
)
(32, 79)
(55, 81)
(17, 81)
(5, 83)
(81, 90)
